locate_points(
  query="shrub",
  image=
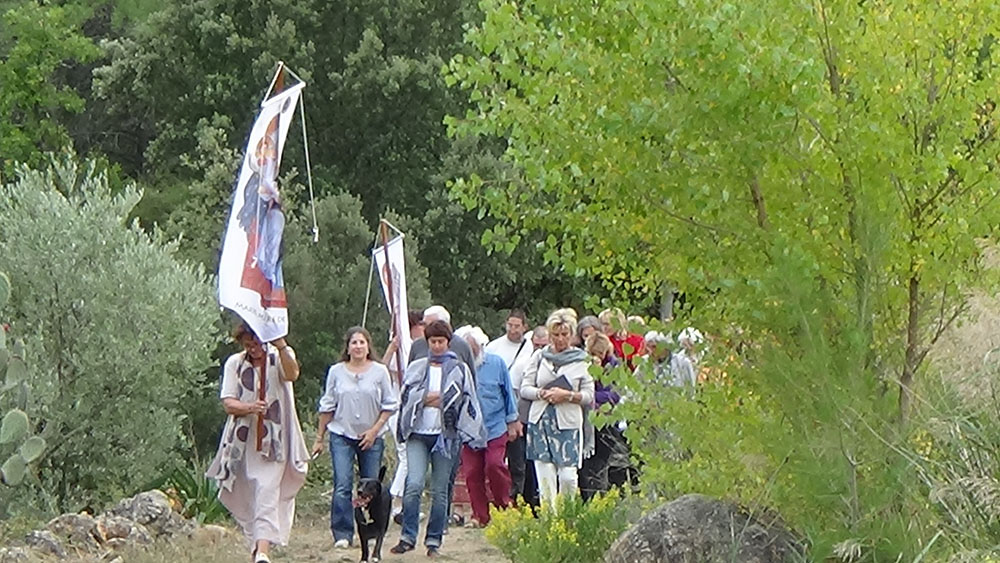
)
(573, 532)
(118, 330)
(198, 495)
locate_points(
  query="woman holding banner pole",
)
(262, 458)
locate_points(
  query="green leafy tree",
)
(184, 88)
(36, 42)
(375, 100)
(479, 283)
(813, 177)
(199, 212)
(732, 146)
(122, 331)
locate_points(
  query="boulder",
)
(152, 509)
(136, 521)
(45, 542)
(14, 555)
(700, 529)
(77, 530)
(122, 531)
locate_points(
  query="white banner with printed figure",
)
(251, 283)
(394, 271)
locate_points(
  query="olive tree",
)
(119, 331)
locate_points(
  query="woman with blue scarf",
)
(440, 412)
(559, 386)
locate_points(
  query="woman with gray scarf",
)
(439, 413)
(558, 383)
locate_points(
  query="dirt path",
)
(311, 542)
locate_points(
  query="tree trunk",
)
(758, 204)
(666, 302)
(912, 347)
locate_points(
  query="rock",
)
(115, 544)
(44, 541)
(14, 555)
(152, 509)
(123, 530)
(78, 530)
(700, 529)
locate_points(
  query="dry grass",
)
(968, 354)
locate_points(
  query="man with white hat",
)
(499, 410)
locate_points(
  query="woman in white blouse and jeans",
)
(358, 401)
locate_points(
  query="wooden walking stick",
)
(262, 395)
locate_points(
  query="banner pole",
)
(368, 292)
(277, 85)
(276, 82)
(393, 317)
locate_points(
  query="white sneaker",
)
(262, 558)
(342, 544)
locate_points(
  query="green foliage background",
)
(118, 329)
(157, 100)
(816, 181)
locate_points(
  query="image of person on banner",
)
(263, 220)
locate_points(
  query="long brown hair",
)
(346, 356)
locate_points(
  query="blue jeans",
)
(343, 450)
(418, 455)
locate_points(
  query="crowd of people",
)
(513, 414)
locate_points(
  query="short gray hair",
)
(438, 313)
(591, 321)
(655, 337)
(474, 332)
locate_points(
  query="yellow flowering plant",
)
(574, 530)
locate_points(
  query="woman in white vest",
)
(559, 385)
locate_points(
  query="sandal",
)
(401, 547)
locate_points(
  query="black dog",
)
(371, 495)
